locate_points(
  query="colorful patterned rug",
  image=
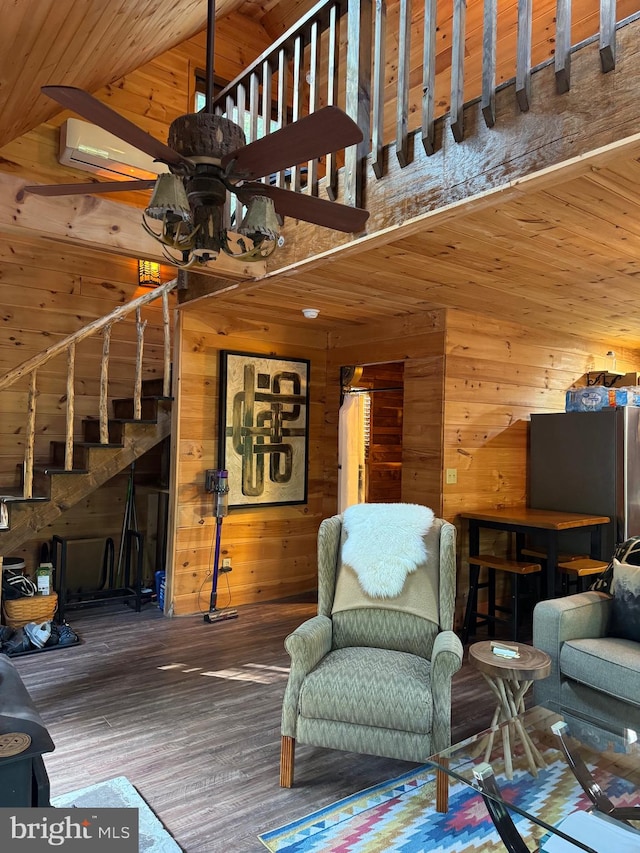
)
(399, 816)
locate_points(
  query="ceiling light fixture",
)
(310, 313)
(191, 212)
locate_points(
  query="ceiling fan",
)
(207, 159)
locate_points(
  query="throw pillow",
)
(625, 607)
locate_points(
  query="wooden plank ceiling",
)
(92, 44)
(562, 258)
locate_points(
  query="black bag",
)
(626, 552)
(16, 585)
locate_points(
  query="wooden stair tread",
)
(144, 397)
(113, 445)
(503, 564)
(50, 469)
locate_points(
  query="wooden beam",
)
(96, 223)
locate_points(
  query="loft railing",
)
(398, 67)
(29, 368)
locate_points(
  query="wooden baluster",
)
(298, 77)
(429, 77)
(377, 129)
(314, 81)
(333, 64)
(229, 202)
(254, 106)
(457, 70)
(563, 45)
(358, 98)
(607, 35)
(71, 370)
(523, 59)
(30, 438)
(402, 100)
(488, 103)
(104, 384)
(283, 70)
(237, 208)
(267, 74)
(137, 394)
(166, 367)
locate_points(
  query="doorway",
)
(370, 434)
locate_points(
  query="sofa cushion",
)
(608, 664)
(371, 687)
(625, 607)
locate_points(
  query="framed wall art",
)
(264, 428)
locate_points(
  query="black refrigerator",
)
(588, 462)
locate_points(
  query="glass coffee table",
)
(583, 794)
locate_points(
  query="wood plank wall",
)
(384, 457)
(470, 385)
(272, 549)
(49, 291)
(496, 376)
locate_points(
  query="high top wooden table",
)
(509, 679)
(546, 523)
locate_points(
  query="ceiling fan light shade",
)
(169, 199)
(260, 220)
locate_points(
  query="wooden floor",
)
(190, 713)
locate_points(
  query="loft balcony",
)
(456, 103)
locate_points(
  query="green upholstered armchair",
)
(373, 679)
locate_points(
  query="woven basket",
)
(35, 608)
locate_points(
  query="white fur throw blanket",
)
(384, 543)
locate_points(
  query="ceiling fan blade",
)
(319, 211)
(95, 111)
(322, 132)
(92, 187)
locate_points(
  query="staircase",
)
(108, 444)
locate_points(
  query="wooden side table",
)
(509, 679)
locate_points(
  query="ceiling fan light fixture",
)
(260, 220)
(169, 199)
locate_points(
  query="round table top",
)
(532, 664)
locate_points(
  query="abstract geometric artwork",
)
(264, 428)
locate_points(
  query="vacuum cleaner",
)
(217, 482)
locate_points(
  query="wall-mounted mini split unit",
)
(92, 149)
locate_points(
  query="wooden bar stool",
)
(575, 571)
(475, 618)
(563, 557)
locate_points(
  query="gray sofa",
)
(591, 672)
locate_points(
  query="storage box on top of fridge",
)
(597, 397)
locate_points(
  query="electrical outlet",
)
(452, 476)
(226, 562)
